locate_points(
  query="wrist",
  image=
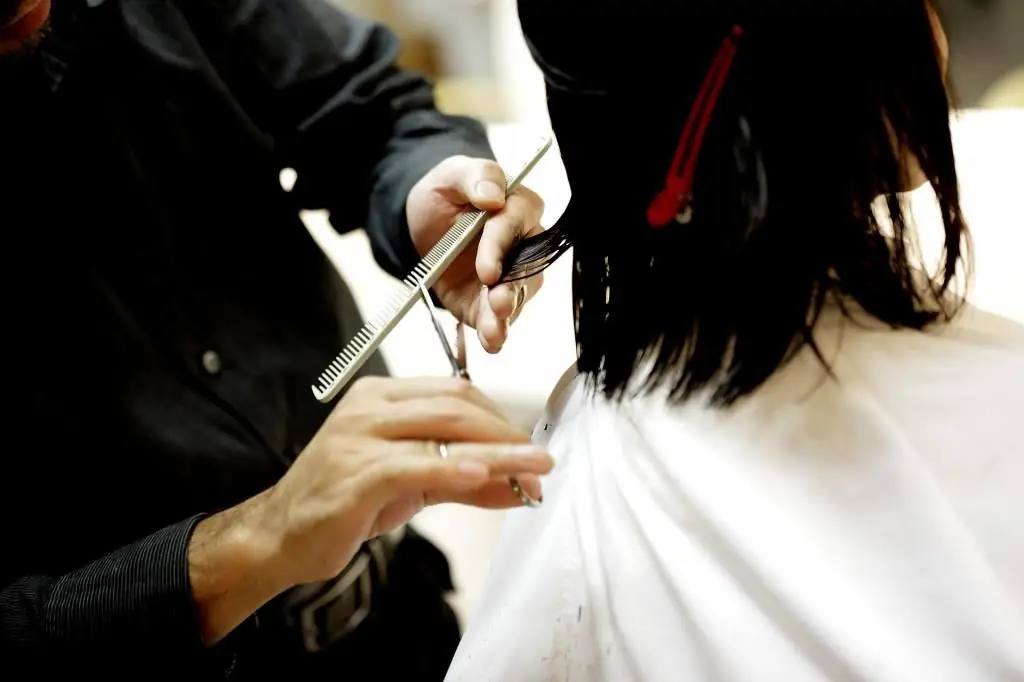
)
(234, 567)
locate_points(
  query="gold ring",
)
(517, 488)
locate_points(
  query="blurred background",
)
(472, 49)
(474, 52)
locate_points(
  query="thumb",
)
(480, 182)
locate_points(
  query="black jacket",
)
(166, 309)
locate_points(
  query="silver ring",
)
(521, 494)
(518, 307)
(442, 450)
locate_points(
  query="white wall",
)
(516, 70)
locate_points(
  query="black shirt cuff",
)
(136, 601)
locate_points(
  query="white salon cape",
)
(868, 528)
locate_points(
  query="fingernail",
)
(489, 191)
(531, 489)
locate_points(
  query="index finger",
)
(480, 468)
(441, 387)
(443, 419)
(394, 389)
(520, 218)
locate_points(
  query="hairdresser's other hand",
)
(467, 289)
(376, 463)
(372, 466)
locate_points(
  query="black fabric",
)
(411, 633)
(145, 232)
(138, 595)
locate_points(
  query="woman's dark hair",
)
(824, 104)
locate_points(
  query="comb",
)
(344, 367)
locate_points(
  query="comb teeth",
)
(344, 366)
(368, 338)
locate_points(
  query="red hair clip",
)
(673, 202)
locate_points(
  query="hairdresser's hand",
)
(453, 187)
(373, 465)
(376, 463)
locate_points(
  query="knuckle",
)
(462, 389)
(339, 444)
(493, 169)
(364, 387)
(374, 384)
(368, 422)
(501, 228)
(455, 161)
(386, 471)
(533, 201)
(337, 461)
(534, 198)
(358, 419)
(390, 472)
(450, 411)
(456, 166)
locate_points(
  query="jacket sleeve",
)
(358, 129)
(134, 605)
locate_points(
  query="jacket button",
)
(211, 362)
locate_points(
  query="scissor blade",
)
(456, 368)
(460, 350)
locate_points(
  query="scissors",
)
(457, 359)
